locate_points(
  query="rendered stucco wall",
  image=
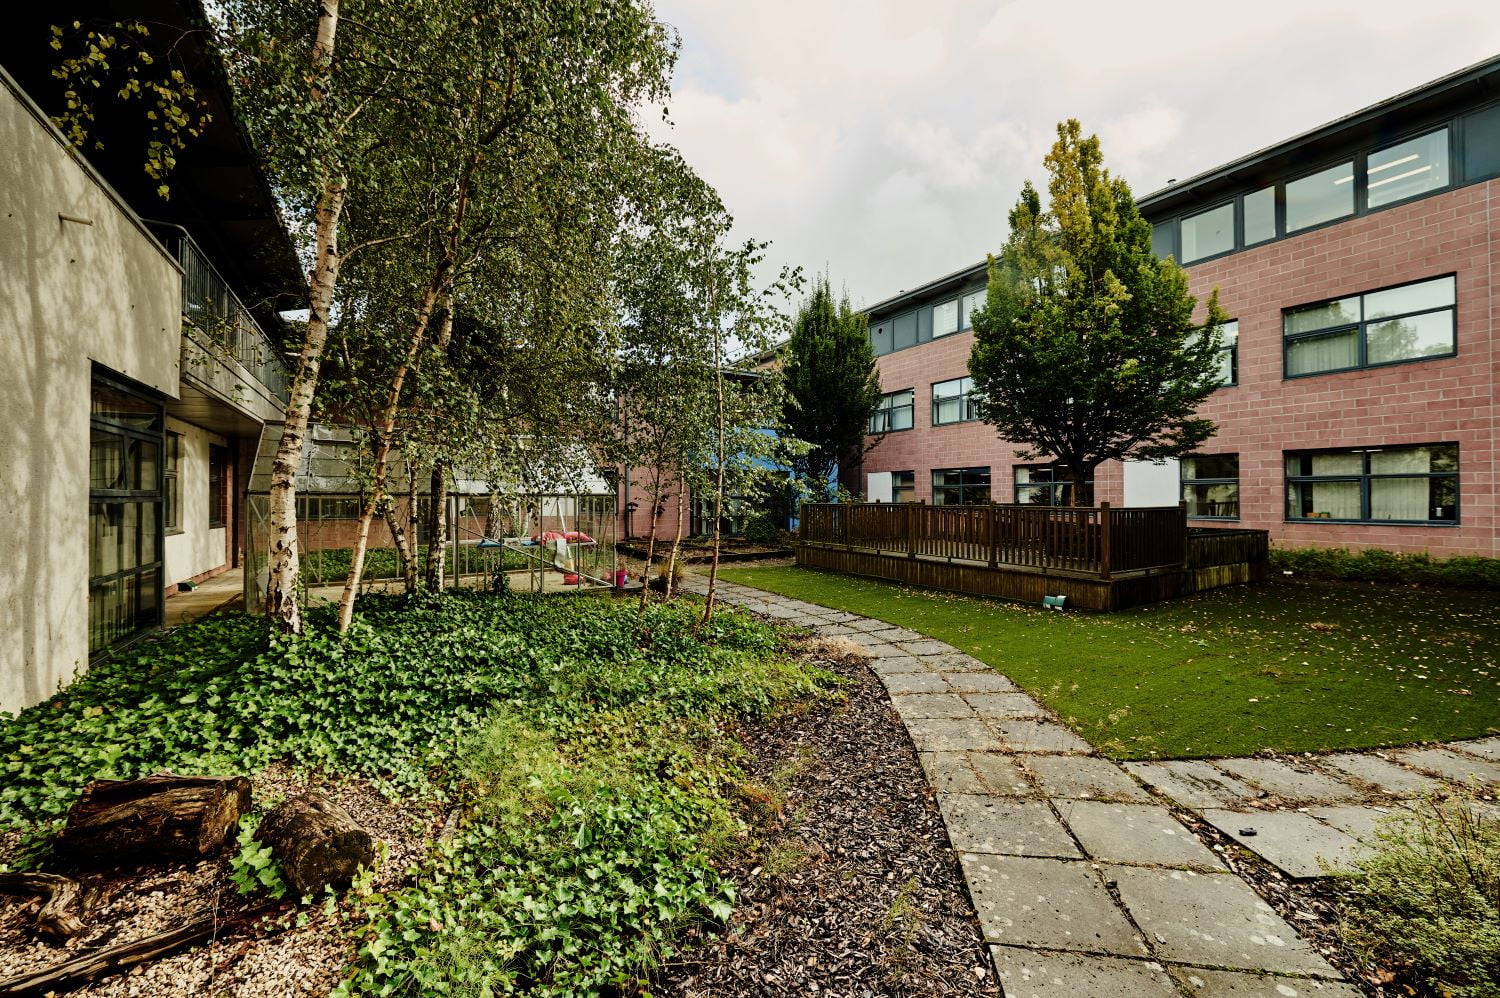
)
(198, 548)
(71, 294)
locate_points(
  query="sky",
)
(884, 141)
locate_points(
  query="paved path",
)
(1084, 883)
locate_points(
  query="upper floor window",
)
(968, 305)
(1211, 486)
(951, 402)
(1406, 323)
(1374, 484)
(1410, 168)
(1260, 216)
(960, 486)
(894, 412)
(1044, 485)
(1208, 233)
(1320, 197)
(218, 485)
(1229, 353)
(945, 318)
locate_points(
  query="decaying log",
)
(75, 973)
(317, 843)
(163, 816)
(65, 901)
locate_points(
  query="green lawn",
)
(1291, 665)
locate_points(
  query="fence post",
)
(1183, 530)
(994, 535)
(911, 531)
(1104, 524)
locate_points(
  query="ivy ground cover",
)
(583, 750)
(1291, 665)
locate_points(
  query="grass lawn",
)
(1291, 665)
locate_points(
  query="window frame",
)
(218, 487)
(1236, 214)
(883, 408)
(171, 484)
(964, 486)
(1053, 487)
(1360, 329)
(958, 325)
(1185, 483)
(964, 399)
(1364, 478)
(909, 487)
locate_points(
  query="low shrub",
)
(1425, 902)
(1376, 565)
(760, 529)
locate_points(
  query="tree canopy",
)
(1087, 349)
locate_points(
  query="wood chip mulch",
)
(851, 888)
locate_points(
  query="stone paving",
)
(1085, 883)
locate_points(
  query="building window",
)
(1322, 197)
(1208, 233)
(1044, 485)
(1260, 216)
(125, 510)
(1229, 353)
(1211, 486)
(218, 486)
(905, 327)
(1408, 169)
(328, 507)
(1407, 323)
(945, 318)
(969, 304)
(1374, 485)
(952, 402)
(171, 490)
(960, 486)
(903, 486)
(894, 412)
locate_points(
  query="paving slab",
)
(890, 665)
(925, 646)
(903, 634)
(950, 773)
(1237, 984)
(940, 734)
(1192, 784)
(1026, 973)
(1358, 820)
(835, 630)
(1276, 777)
(1004, 705)
(870, 625)
(1039, 736)
(1085, 777)
(1489, 748)
(956, 662)
(903, 683)
(1461, 769)
(980, 682)
(1293, 842)
(1384, 775)
(931, 705)
(1214, 920)
(874, 642)
(1047, 902)
(1135, 833)
(1001, 774)
(1005, 827)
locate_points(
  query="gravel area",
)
(277, 957)
(850, 887)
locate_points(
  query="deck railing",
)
(210, 305)
(1099, 541)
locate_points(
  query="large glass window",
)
(968, 305)
(960, 486)
(1322, 197)
(903, 486)
(1044, 485)
(1374, 484)
(1260, 216)
(1406, 323)
(1211, 486)
(894, 412)
(1208, 233)
(171, 490)
(1403, 171)
(218, 486)
(945, 318)
(951, 401)
(125, 515)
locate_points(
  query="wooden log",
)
(158, 817)
(317, 843)
(65, 901)
(73, 974)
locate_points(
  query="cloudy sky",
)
(886, 140)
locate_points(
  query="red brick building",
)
(1358, 263)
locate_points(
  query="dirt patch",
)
(851, 887)
(299, 951)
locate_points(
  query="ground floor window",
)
(218, 485)
(960, 486)
(125, 514)
(1044, 485)
(903, 486)
(1211, 486)
(893, 413)
(171, 489)
(1374, 484)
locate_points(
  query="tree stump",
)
(159, 817)
(65, 902)
(317, 843)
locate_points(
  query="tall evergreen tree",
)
(1087, 350)
(831, 384)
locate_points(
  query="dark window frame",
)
(910, 486)
(218, 487)
(1186, 482)
(965, 399)
(1236, 216)
(1360, 330)
(886, 410)
(1053, 487)
(171, 484)
(1364, 478)
(963, 485)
